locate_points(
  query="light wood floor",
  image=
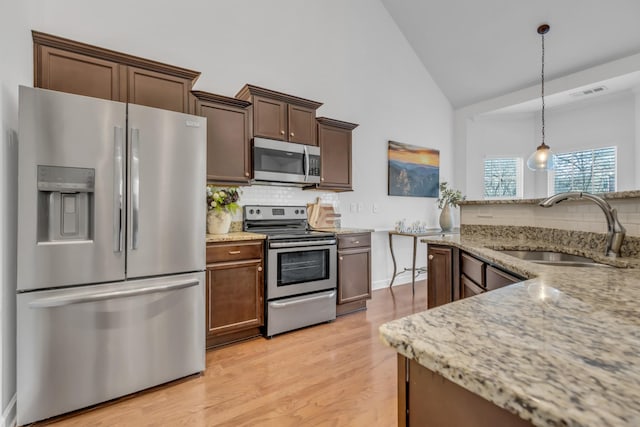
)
(335, 374)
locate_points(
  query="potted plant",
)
(448, 198)
(221, 204)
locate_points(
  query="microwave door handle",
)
(306, 163)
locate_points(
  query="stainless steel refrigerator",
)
(111, 250)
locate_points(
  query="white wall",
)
(349, 55)
(604, 121)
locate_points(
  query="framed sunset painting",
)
(413, 171)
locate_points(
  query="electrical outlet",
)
(360, 207)
(375, 208)
(353, 208)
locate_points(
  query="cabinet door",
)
(302, 125)
(335, 154)
(469, 288)
(269, 118)
(228, 143)
(234, 296)
(496, 278)
(158, 90)
(439, 283)
(64, 71)
(354, 275)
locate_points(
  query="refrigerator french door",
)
(111, 250)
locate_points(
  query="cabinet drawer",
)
(497, 278)
(469, 288)
(354, 240)
(473, 268)
(221, 252)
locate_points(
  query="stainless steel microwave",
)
(285, 162)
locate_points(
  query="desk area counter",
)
(558, 349)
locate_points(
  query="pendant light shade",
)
(543, 158)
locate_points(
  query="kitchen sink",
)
(554, 258)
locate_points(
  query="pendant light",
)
(542, 159)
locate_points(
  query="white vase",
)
(218, 222)
(446, 218)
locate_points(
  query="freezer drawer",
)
(82, 346)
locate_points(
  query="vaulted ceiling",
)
(480, 49)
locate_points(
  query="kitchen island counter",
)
(558, 349)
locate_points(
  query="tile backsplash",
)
(570, 215)
(285, 196)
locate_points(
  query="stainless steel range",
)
(300, 268)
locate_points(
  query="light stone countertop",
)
(234, 236)
(616, 195)
(562, 348)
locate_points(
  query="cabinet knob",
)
(340, 258)
(234, 252)
(246, 174)
(281, 132)
(356, 242)
(430, 257)
(292, 134)
(321, 179)
(259, 268)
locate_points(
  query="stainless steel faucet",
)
(615, 230)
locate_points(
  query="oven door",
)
(299, 267)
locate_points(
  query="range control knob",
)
(251, 211)
(258, 211)
(296, 212)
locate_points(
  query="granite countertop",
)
(616, 195)
(234, 236)
(559, 349)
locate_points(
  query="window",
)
(593, 171)
(503, 178)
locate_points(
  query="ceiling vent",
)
(590, 91)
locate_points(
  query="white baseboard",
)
(8, 418)
(384, 283)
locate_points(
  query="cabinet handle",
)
(430, 257)
(356, 242)
(292, 134)
(281, 132)
(259, 268)
(234, 252)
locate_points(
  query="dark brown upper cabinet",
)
(334, 138)
(69, 66)
(228, 140)
(280, 116)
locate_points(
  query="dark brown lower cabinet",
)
(439, 274)
(354, 272)
(468, 287)
(235, 288)
(427, 399)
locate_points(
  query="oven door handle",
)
(277, 304)
(301, 244)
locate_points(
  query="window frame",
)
(551, 176)
(519, 177)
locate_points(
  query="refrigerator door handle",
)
(101, 296)
(118, 188)
(135, 186)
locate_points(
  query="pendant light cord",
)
(542, 78)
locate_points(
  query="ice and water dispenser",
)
(65, 203)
